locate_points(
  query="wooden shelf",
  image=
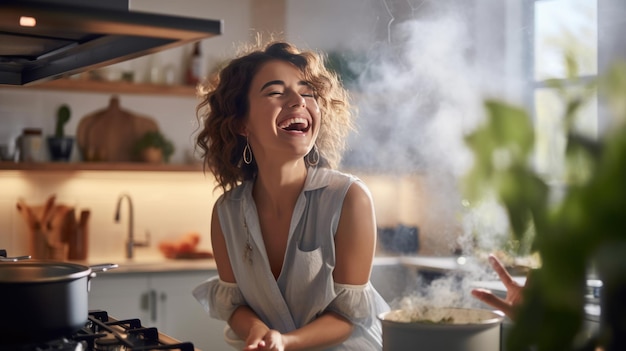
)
(85, 85)
(119, 87)
(98, 166)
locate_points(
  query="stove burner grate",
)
(103, 333)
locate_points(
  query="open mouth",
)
(295, 124)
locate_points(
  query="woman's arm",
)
(220, 254)
(355, 241)
(243, 319)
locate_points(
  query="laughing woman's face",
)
(284, 117)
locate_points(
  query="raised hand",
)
(513, 291)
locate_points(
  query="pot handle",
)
(99, 268)
(14, 259)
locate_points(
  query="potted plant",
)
(153, 147)
(580, 235)
(59, 145)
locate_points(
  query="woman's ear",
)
(240, 128)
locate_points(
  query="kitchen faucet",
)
(130, 241)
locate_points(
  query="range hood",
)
(73, 36)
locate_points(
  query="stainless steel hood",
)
(72, 36)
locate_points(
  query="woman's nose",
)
(297, 100)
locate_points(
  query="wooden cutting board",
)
(109, 134)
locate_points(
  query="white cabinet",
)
(161, 300)
(181, 316)
(121, 296)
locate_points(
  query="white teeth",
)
(296, 120)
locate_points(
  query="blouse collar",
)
(316, 178)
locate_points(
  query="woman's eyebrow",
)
(280, 82)
(272, 82)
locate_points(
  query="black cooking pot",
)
(43, 300)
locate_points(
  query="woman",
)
(293, 239)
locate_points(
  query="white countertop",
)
(162, 264)
(152, 265)
(434, 263)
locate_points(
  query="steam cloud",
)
(417, 95)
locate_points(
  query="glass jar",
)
(31, 145)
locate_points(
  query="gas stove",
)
(104, 333)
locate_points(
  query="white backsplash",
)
(170, 204)
(166, 204)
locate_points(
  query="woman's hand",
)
(513, 298)
(271, 340)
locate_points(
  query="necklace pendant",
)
(247, 253)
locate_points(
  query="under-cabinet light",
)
(27, 21)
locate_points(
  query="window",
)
(560, 29)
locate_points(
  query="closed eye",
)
(308, 90)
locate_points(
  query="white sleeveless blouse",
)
(305, 287)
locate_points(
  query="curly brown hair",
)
(225, 106)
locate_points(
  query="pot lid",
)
(34, 271)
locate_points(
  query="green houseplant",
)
(60, 145)
(153, 147)
(581, 235)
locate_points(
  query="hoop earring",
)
(313, 157)
(247, 153)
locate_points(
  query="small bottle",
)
(194, 68)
